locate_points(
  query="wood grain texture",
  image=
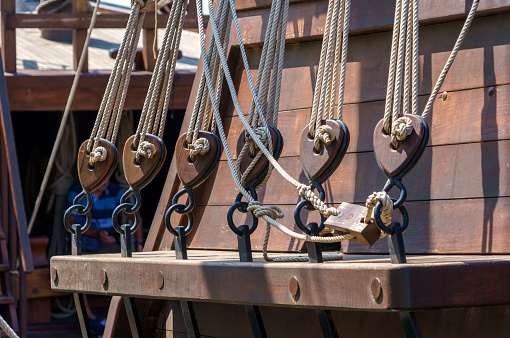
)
(32, 91)
(485, 53)
(213, 319)
(426, 282)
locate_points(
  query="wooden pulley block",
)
(318, 166)
(260, 169)
(138, 175)
(351, 220)
(92, 177)
(193, 173)
(398, 162)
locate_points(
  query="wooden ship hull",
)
(458, 204)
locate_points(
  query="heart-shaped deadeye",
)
(259, 170)
(318, 166)
(92, 177)
(138, 175)
(398, 162)
(193, 173)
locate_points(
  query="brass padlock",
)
(351, 220)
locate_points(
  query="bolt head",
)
(160, 280)
(376, 289)
(54, 274)
(103, 277)
(293, 286)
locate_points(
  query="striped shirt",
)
(101, 211)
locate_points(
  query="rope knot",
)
(306, 192)
(259, 211)
(144, 5)
(387, 206)
(325, 134)
(98, 154)
(402, 127)
(199, 147)
(262, 135)
(146, 149)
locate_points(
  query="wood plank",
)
(484, 53)
(37, 93)
(434, 279)
(82, 21)
(307, 19)
(483, 118)
(444, 172)
(292, 322)
(8, 48)
(453, 226)
(440, 226)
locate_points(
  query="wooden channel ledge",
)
(358, 282)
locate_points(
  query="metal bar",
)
(125, 241)
(188, 312)
(180, 243)
(132, 314)
(82, 315)
(315, 256)
(314, 249)
(245, 255)
(189, 319)
(398, 256)
(78, 297)
(326, 323)
(410, 324)
(257, 325)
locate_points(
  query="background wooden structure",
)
(458, 195)
(36, 90)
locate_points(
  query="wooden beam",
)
(425, 282)
(79, 36)
(38, 90)
(18, 205)
(7, 8)
(81, 21)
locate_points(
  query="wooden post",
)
(79, 36)
(8, 7)
(149, 35)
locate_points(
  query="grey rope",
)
(7, 329)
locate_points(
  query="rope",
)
(333, 54)
(63, 123)
(155, 108)
(52, 6)
(110, 111)
(402, 126)
(451, 58)
(207, 74)
(7, 329)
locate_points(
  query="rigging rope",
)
(110, 111)
(155, 108)
(303, 189)
(402, 126)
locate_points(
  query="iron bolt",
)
(54, 274)
(294, 287)
(444, 96)
(376, 288)
(160, 280)
(103, 278)
(491, 92)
